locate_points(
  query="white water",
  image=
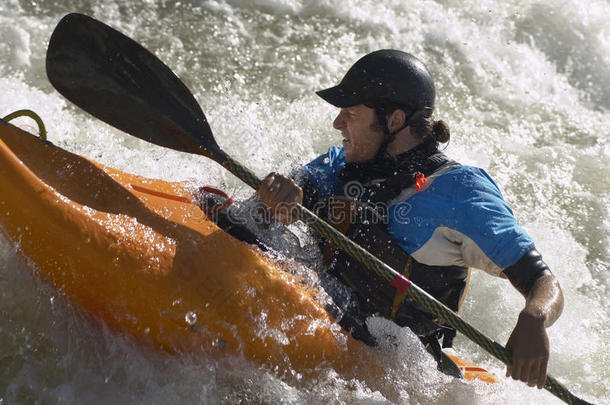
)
(524, 86)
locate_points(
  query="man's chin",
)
(352, 157)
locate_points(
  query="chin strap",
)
(382, 152)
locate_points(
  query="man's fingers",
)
(269, 179)
(279, 186)
(542, 373)
(265, 188)
(532, 372)
(518, 369)
(285, 194)
(281, 194)
(270, 188)
(537, 374)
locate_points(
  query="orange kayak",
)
(138, 254)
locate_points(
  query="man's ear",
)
(396, 120)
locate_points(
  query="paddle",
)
(118, 81)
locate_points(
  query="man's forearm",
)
(545, 300)
(531, 276)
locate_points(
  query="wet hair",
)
(421, 122)
(431, 130)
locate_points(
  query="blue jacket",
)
(459, 218)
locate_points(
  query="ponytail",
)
(440, 131)
(430, 130)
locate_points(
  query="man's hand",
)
(281, 194)
(529, 342)
(530, 348)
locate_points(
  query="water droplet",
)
(191, 318)
(220, 343)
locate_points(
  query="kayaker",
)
(392, 191)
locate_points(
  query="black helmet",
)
(385, 76)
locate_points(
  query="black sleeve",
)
(526, 271)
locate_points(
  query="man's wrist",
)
(533, 315)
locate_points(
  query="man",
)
(426, 216)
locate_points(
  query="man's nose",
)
(339, 122)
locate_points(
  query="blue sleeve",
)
(323, 171)
(462, 213)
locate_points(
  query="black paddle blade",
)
(120, 82)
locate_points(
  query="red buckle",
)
(420, 180)
(217, 207)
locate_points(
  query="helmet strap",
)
(382, 152)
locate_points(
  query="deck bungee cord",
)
(42, 131)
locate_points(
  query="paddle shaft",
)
(396, 279)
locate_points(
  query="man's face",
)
(362, 135)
